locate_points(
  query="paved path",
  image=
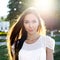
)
(57, 43)
(3, 43)
(2, 37)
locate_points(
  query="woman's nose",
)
(30, 25)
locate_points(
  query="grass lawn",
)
(3, 53)
(57, 52)
(57, 48)
(57, 56)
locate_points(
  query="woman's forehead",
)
(30, 16)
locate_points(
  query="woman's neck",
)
(32, 37)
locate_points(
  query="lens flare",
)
(44, 5)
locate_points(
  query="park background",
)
(49, 11)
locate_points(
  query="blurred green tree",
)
(16, 8)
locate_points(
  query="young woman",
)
(27, 38)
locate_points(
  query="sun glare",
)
(44, 5)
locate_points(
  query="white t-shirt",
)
(36, 50)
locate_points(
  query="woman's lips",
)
(30, 30)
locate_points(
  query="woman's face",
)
(31, 23)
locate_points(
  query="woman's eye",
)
(26, 22)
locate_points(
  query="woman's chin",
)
(31, 33)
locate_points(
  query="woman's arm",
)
(49, 54)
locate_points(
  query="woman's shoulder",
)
(47, 38)
(50, 39)
(50, 42)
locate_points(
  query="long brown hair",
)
(18, 32)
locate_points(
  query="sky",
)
(3, 8)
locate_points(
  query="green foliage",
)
(57, 48)
(57, 52)
(2, 19)
(57, 56)
(2, 40)
(57, 38)
(3, 53)
(16, 8)
(3, 33)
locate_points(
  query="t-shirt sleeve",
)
(50, 43)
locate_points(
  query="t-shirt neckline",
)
(34, 42)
